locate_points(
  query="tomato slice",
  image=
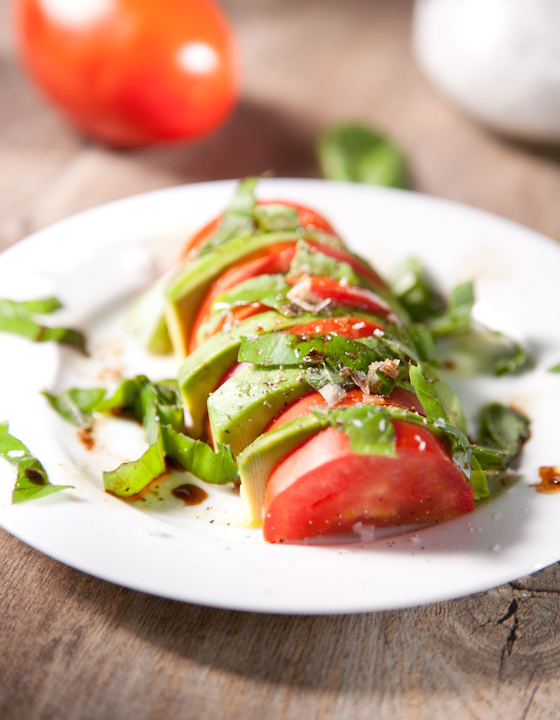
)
(309, 219)
(201, 236)
(269, 260)
(324, 488)
(339, 294)
(349, 327)
(235, 315)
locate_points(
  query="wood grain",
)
(77, 648)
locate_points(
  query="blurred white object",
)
(498, 59)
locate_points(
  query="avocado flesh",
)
(256, 463)
(200, 372)
(190, 284)
(243, 406)
(146, 321)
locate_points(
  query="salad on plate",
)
(308, 382)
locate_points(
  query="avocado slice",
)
(191, 282)
(202, 369)
(242, 407)
(258, 460)
(146, 319)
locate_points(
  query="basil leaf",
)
(503, 429)
(427, 396)
(274, 217)
(152, 403)
(42, 306)
(269, 290)
(479, 350)
(17, 318)
(489, 458)
(416, 290)
(76, 406)
(460, 446)
(238, 220)
(334, 351)
(124, 396)
(320, 375)
(313, 262)
(424, 344)
(32, 482)
(356, 153)
(447, 397)
(199, 459)
(130, 479)
(479, 482)
(369, 429)
(554, 368)
(457, 317)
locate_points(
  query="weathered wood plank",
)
(74, 647)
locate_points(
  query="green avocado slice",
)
(190, 283)
(258, 460)
(202, 369)
(242, 407)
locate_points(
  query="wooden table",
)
(75, 647)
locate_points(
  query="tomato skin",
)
(349, 327)
(130, 72)
(307, 403)
(270, 260)
(324, 488)
(348, 295)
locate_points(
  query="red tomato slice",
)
(307, 403)
(357, 265)
(309, 219)
(349, 327)
(347, 295)
(270, 260)
(235, 315)
(324, 488)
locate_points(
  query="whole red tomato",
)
(132, 72)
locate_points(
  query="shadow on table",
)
(257, 139)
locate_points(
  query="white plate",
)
(95, 262)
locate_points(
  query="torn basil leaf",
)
(275, 217)
(335, 352)
(479, 481)
(460, 446)
(368, 428)
(457, 317)
(416, 290)
(427, 396)
(130, 479)
(76, 406)
(151, 403)
(356, 153)
(32, 482)
(198, 458)
(480, 351)
(269, 290)
(310, 261)
(503, 429)
(238, 220)
(447, 397)
(17, 318)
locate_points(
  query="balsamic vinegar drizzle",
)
(190, 494)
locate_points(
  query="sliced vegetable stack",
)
(310, 378)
